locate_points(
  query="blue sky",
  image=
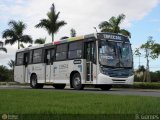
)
(142, 19)
(141, 30)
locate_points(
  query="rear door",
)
(26, 62)
(49, 64)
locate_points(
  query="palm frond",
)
(125, 32)
(18, 27)
(59, 25)
(3, 49)
(26, 39)
(105, 26)
(8, 33)
(40, 41)
(10, 41)
(120, 18)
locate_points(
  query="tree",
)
(147, 47)
(137, 53)
(15, 34)
(142, 69)
(156, 49)
(52, 25)
(113, 25)
(11, 64)
(4, 73)
(40, 41)
(73, 32)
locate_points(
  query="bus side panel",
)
(78, 65)
(19, 74)
(61, 72)
(39, 70)
(94, 73)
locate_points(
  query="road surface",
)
(114, 91)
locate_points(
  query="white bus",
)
(100, 59)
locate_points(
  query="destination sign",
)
(115, 37)
(111, 36)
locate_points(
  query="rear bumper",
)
(104, 79)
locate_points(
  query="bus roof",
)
(94, 35)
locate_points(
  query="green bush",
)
(140, 85)
(5, 74)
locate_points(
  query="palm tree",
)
(138, 53)
(40, 41)
(15, 33)
(113, 25)
(52, 25)
(2, 48)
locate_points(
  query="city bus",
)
(100, 59)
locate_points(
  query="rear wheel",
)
(33, 82)
(106, 87)
(76, 82)
(59, 86)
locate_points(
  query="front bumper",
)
(104, 79)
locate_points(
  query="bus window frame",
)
(42, 59)
(82, 54)
(59, 52)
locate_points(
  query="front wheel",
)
(106, 87)
(76, 82)
(34, 84)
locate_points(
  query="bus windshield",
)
(115, 54)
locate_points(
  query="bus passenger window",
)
(75, 50)
(37, 56)
(61, 52)
(19, 59)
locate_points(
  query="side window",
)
(19, 59)
(61, 52)
(75, 50)
(37, 56)
(50, 56)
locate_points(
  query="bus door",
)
(26, 62)
(49, 63)
(90, 55)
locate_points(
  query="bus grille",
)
(118, 74)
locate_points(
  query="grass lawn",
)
(58, 102)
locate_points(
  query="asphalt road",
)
(114, 91)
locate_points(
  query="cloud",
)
(81, 15)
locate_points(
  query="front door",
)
(49, 64)
(90, 52)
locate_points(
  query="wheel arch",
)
(71, 75)
(32, 75)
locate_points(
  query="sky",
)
(142, 20)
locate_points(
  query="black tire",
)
(59, 86)
(76, 82)
(106, 87)
(34, 84)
